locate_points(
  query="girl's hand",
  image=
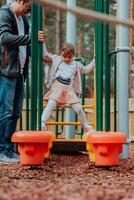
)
(47, 60)
(41, 36)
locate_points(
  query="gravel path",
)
(68, 177)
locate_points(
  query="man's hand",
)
(41, 36)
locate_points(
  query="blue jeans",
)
(11, 102)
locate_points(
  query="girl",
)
(65, 81)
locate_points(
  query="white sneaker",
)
(88, 128)
(43, 126)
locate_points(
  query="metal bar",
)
(83, 83)
(107, 70)
(114, 53)
(115, 98)
(83, 61)
(21, 122)
(99, 69)
(83, 106)
(40, 70)
(67, 123)
(122, 61)
(122, 49)
(34, 55)
(88, 14)
(57, 119)
(62, 119)
(27, 102)
(70, 37)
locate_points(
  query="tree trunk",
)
(58, 31)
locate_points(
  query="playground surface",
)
(68, 177)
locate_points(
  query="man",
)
(14, 43)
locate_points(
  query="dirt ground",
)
(68, 177)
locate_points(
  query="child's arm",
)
(88, 68)
(47, 57)
(45, 51)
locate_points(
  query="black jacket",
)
(10, 42)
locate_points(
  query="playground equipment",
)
(105, 147)
(101, 46)
(122, 40)
(32, 146)
(113, 55)
(89, 147)
(70, 37)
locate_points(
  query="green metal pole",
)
(57, 119)
(83, 84)
(83, 90)
(27, 102)
(34, 55)
(96, 54)
(40, 69)
(114, 54)
(115, 97)
(83, 61)
(107, 69)
(21, 123)
(99, 67)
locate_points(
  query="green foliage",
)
(2, 2)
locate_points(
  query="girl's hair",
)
(67, 48)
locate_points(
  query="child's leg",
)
(47, 112)
(81, 116)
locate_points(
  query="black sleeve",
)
(29, 50)
(6, 35)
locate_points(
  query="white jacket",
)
(56, 60)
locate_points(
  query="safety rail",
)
(69, 106)
(67, 123)
(62, 122)
(114, 55)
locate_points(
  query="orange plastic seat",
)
(89, 147)
(53, 137)
(107, 146)
(32, 145)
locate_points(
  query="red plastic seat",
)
(107, 146)
(32, 145)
